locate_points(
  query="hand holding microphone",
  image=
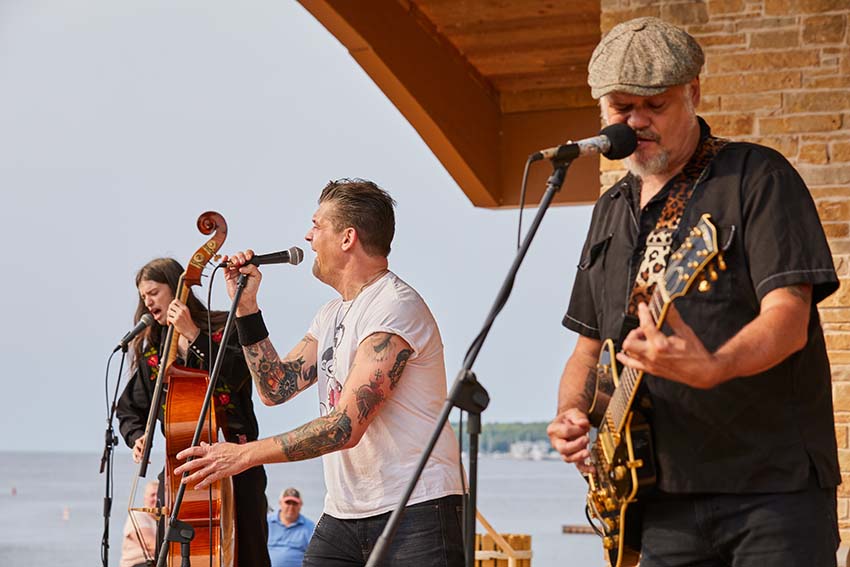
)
(245, 263)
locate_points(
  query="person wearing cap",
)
(737, 383)
(376, 356)
(289, 531)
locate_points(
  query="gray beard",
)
(654, 166)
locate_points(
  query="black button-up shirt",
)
(758, 433)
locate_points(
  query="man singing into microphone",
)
(377, 357)
(157, 285)
(737, 383)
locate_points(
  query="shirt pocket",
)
(592, 265)
(595, 254)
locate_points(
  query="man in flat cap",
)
(736, 384)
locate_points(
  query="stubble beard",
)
(317, 271)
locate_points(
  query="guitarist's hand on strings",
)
(568, 435)
(680, 357)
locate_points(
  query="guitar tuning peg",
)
(712, 274)
(216, 258)
(721, 263)
(704, 286)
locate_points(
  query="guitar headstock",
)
(692, 261)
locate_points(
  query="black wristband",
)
(251, 328)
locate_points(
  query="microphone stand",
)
(110, 441)
(468, 394)
(179, 531)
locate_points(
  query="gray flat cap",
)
(644, 57)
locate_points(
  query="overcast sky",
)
(121, 122)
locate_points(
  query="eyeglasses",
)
(291, 502)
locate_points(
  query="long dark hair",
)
(168, 271)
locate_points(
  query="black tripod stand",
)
(110, 441)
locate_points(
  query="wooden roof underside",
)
(484, 82)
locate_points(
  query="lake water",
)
(51, 506)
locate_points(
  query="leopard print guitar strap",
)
(658, 241)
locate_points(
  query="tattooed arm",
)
(378, 366)
(578, 380)
(568, 431)
(276, 379)
(375, 373)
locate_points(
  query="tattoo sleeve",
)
(382, 345)
(318, 437)
(398, 367)
(369, 396)
(277, 380)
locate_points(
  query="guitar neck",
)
(630, 379)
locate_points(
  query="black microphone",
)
(616, 141)
(292, 256)
(144, 323)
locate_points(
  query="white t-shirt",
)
(370, 478)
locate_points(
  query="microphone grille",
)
(147, 319)
(295, 255)
(623, 141)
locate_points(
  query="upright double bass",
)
(208, 512)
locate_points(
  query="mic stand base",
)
(182, 533)
(110, 441)
(470, 396)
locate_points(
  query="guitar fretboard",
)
(623, 397)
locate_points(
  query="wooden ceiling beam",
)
(482, 100)
(431, 84)
(461, 12)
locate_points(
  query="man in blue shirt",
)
(289, 531)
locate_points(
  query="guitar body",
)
(623, 469)
(621, 454)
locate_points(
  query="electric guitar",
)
(621, 454)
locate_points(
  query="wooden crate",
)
(501, 550)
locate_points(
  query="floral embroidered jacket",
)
(232, 399)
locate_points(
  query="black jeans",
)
(791, 529)
(429, 535)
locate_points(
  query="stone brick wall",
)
(778, 73)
